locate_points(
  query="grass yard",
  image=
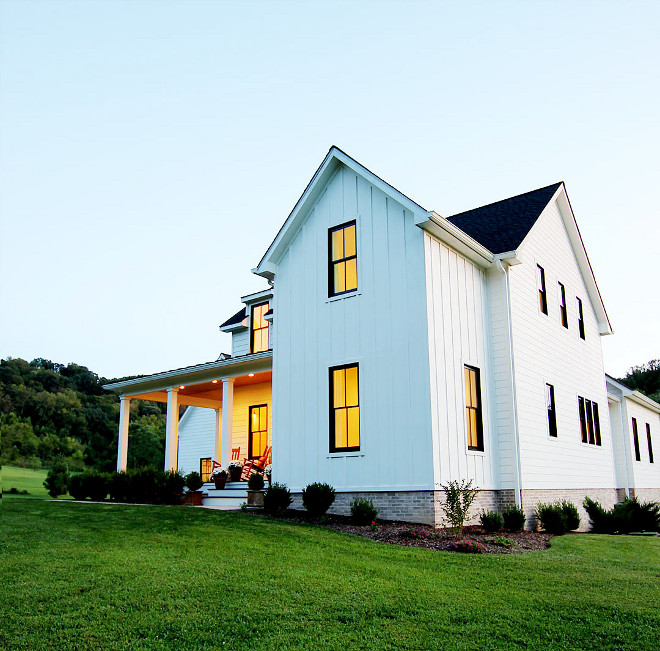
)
(24, 479)
(90, 576)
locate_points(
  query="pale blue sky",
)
(151, 150)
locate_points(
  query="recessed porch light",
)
(214, 381)
(250, 374)
(182, 387)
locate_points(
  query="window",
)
(342, 253)
(475, 435)
(562, 305)
(205, 468)
(638, 456)
(543, 298)
(589, 421)
(648, 442)
(259, 329)
(344, 408)
(580, 318)
(552, 416)
(258, 439)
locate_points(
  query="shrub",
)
(468, 546)
(57, 479)
(146, 486)
(500, 542)
(170, 488)
(552, 518)
(118, 486)
(459, 497)
(194, 481)
(255, 482)
(77, 487)
(363, 511)
(491, 521)
(572, 516)
(317, 498)
(277, 499)
(629, 515)
(514, 518)
(96, 484)
(415, 533)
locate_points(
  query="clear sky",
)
(150, 150)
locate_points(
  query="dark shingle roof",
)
(237, 318)
(503, 225)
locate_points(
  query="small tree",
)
(57, 480)
(459, 497)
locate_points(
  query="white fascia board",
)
(645, 401)
(267, 267)
(443, 230)
(257, 296)
(630, 394)
(235, 327)
(232, 367)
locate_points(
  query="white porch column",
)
(172, 429)
(122, 442)
(217, 438)
(227, 418)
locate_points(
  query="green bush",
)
(171, 488)
(118, 486)
(363, 511)
(491, 521)
(629, 515)
(57, 479)
(572, 516)
(317, 498)
(77, 487)
(458, 500)
(255, 482)
(194, 481)
(96, 484)
(557, 518)
(277, 499)
(514, 518)
(146, 486)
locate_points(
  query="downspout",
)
(624, 443)
(512, 374)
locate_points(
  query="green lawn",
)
(24, 479)
(90, 576)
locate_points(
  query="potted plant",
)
(194, 483)
(219, 477)
(255, 493)
(235, 468)
(269, 472)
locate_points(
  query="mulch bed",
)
(399, 533)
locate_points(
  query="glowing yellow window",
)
(342, 272)
(475, 437)
(258, 431)
(259, 329)
(344, 408)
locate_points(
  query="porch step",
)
(231, 496)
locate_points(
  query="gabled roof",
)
(503, 225)
(236, 319)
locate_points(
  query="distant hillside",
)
(645, 379)
(50, 410)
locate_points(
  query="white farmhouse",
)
(395, 350)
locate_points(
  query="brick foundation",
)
(647, 494)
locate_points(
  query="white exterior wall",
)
(457, 309)
(546, 352)
(644, 473)
(240, 343)
(382, 326)
(197, 426)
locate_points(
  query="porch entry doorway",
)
(258, 436)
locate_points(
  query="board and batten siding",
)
(457, 310)
(546, 352)
(197, 426)
(382, 327)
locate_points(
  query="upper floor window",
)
(543, 297)
(562, 305)
(344, 408)
(342, 263)
(589, 421)
(648, 442)
(259, 328)
(552, 414)
(580, 318)
(638, 456)
(475, 434)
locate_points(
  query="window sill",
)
(476, 453)
(341, 455)
(332, 299)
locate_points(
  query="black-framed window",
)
(258, 430)
(205, 468)
(552, 414)
(342, 259)
(580, 318)
(562, 305)
(344, 408)
(259, 329)
(589, 421)
(543, 296)
(648, 442)
(638, 456)
(473, 417)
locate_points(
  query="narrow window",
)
(344, 408)
(590, 421)
(258, 439)
(580, 318)
(552, 416)
(562, 305)
(475, 436)
(638, 456)
(543, 298)
(648, 442)
(596, 422)
(205, 469)
(583, 419)
(259, 329)
(342, 254)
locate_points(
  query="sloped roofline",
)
(634, 395)
(335, 157)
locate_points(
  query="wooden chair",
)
(250, 466)
(235, 454)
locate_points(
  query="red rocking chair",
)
(250, 466)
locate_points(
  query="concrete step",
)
(231, 496)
